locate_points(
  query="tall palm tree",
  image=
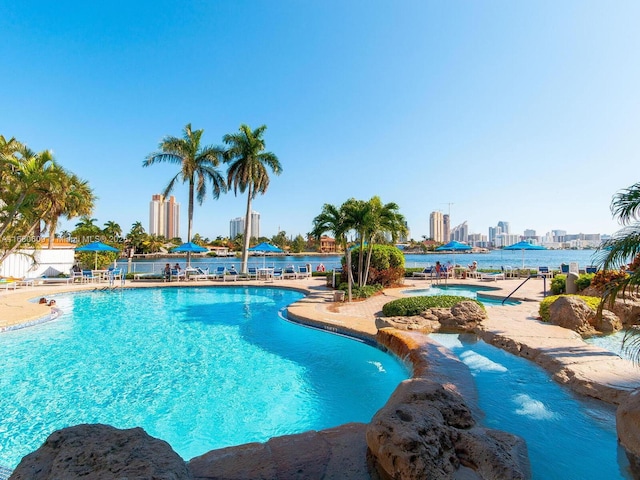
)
(198, 166)
(616, 252)
(112, 230)
(380, 220)
(248, 164)
(336, 221)
(69, 197)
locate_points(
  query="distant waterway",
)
(494, 259)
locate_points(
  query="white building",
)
(164, 217)
(236, 226)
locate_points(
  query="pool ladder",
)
(535, 275)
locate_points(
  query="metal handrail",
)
(535, 275)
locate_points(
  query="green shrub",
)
(559, 284)
(416, 305)
(545, 305)
(386, 268)
(584, 280)
(364, 292)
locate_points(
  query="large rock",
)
(572, 313)
(102, 452)
(427, 431)
(410, 322)
(463, 317)
(628, 427)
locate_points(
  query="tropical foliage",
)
(248, 171)
(616, 253)
(197, 167)
(372, 222)
(416, 305)
(35, 189)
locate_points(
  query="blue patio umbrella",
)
(454, 246)
(522, 245)
(96, 247)
(264, 248)
(189, 247)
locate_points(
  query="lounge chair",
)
(277, 274)
(590, 269)
(427, 272)
(303, 272)
(492, 277)
(252, 273)
(232, 275)
(289, 272)
(544, 272)
(564, 269)
(219, 272)
(89, 277)
(7, 284)
(200, 274)
(176, 275)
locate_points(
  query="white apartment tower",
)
(436, 226)
(236, 226)
(164, 216)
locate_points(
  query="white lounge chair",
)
(303, 272)
(427, 272)
(544, 272)
(289, 272)
(492, 277)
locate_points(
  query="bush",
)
(364, 292)
(386, 268)
(545, 305)
(404, 307)
(602, 278)
(559, 284)
(584, 280)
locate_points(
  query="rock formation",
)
(463, 317)
(102, 452)
(574, 313)
(427, 431)
(628, 428)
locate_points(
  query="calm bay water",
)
(492, 260)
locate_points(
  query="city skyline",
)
(484, 111)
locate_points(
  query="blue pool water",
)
(567, 438)
(201, 368)
(462, 291)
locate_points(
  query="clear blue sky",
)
(526, 112)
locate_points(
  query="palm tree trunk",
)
(347, 253)
(52, 231)
(19, 242)
(190, 220)
(361, 262)
(247, 232)
(12, 215)
(368, 263)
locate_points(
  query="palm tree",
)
(112, 230)
(336, 221)
(247, 171)
(70, 197)
(198, 166)
(616, 252)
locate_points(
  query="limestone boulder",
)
(628, 310)
(102, 452)
(463, 317)
(413, 322)
(572, 313)
(426, 431)
(609, 322)
(628, 427)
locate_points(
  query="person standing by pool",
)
(167, 271)
(438, 270)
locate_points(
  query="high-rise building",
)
(460, 233)
(236, 226)
(436, 227)
(164, 216)
(504, 226)
(446, 228)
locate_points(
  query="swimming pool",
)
(479, 293)
(199, 367)
(568, 437)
